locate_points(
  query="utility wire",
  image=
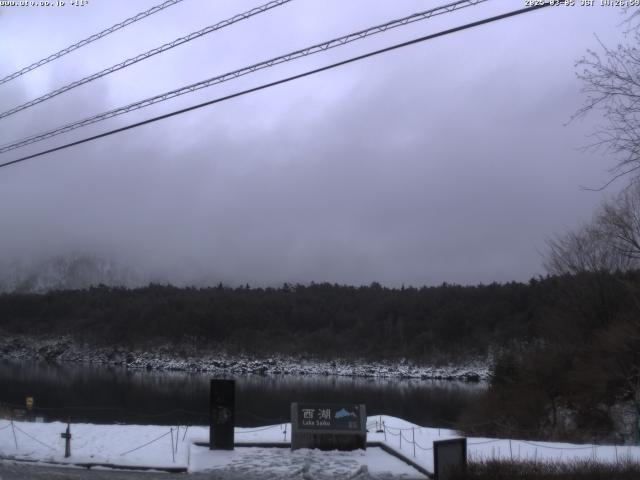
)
(148, 54)
(336, 42)
(90, 39)
(281, 81)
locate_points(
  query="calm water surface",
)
(114, 394)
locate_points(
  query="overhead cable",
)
(278, 82)
(145, 55)
(92, 38)
(321, 47)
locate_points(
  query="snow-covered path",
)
(15, 471)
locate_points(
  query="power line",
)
(336, 42)
(144, 56)
(281, 81)
(90, 39)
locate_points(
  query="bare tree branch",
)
(611, 84)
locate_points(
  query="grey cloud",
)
(443, 162)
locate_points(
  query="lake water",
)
(102, 394)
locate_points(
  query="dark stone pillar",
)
(222, 406)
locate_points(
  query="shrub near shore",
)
(582, 470)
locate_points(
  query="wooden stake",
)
(15, 440)
(413, 433)
(173, 454)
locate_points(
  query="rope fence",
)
(170, 432)
(148, 443)
(174, 441)
(66, 410)
(485, 442)
(31, 437)
(557, 448)
(412, 443)
(259, 429)
(401, 432)
(426, 449)
(402, 429)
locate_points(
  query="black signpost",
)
(449, 457)
(222, 414)
(328, 426)
(67, 442)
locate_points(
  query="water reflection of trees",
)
(110, 394)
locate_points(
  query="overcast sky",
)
(446, 161)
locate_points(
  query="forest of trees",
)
(423, 324)
(321, 319)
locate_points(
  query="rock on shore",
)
(171, 358)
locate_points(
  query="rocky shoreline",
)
(170, 358)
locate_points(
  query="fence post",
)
(413, 434)
(400, 439)
(15, 440)
(384, 429)
(379, 425)
(173, 453)
(510, 450)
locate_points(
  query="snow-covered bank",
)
(161, 446)
(64, 349)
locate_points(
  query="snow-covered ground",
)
(161, 446)
(64, 349)
(313, 464)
